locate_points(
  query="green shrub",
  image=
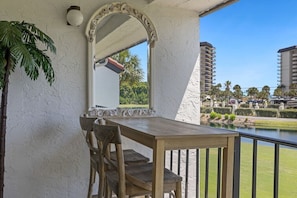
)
(244, 111)
(232, 117)
(205, 109)
(226, 116)
(273, 106)
(213, 115)
(219, 116)
(244, 106)
(288, 113)
(223, 110)
(266, 112)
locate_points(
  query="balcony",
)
(203, 168)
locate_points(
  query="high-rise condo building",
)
(207, 66)
(287, 67)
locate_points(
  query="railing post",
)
(236, 174)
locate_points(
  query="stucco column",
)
(176, 64)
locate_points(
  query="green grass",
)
(133, 106)
(265, 168)
(276, 124)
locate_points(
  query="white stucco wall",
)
(46, 155)
(176, 65)
(107, 86)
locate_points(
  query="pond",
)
(282, 134)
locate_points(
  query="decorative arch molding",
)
(123, 8)
(96, 18)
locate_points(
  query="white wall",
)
(107, 86)
(176, 65)
(46, 153)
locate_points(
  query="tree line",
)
(221, 93)
(133, 90)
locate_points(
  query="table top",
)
(162, 128)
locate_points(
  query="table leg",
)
(158, 170)
(228, 161)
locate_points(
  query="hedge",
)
(266, 112)
(205, 109)
(244, 112)
(244, 105)
(288, 113)
(273, 106)
(223, 110)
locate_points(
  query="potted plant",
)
(20, 45)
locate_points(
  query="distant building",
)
(287, 66)
(207, 66)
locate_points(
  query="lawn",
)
(134, 106)
(265, 167)
(276, 124)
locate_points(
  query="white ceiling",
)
(197, 5)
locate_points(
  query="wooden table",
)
(162, 134)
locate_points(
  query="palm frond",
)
(43, 61)
(38, 35)
(21, 38)
(9, 35)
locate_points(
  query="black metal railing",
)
(201, 169)
(276, 145)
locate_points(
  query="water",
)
(290, 135)
(282, 134)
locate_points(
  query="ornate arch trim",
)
(124, 8)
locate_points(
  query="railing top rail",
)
(269, 139)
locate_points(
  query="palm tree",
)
(252, 91)
(215, 91)
(227, 90)
(237, 91)
(227, 85)
(283, 87)
(19, 42)
(278, 92)
(264, 94)
(266, 89)
(133, 72)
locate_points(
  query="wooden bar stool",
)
(131, 157)
(133, 180)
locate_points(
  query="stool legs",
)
(91, 181)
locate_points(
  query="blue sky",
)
(247, 36)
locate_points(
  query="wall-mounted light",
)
(74, 16)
